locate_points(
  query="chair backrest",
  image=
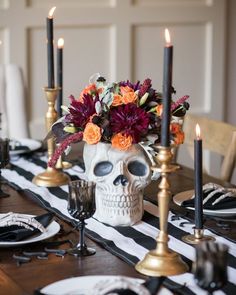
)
(218, 137)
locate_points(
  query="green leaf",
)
(152, 110)
(70, 129)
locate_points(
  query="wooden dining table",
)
(25, 278)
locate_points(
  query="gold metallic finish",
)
(66, 165)
(63, 164)
(162, 261)
(197, 237)
(51, 176)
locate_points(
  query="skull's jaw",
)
(119, 210)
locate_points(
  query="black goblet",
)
(210, 267)
(81, 205)
(4, 160)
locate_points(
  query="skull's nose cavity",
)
(121, 179)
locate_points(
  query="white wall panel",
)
(189, 66)
(3, 46)
(173, 2)
(86, 51)
(70, 3)
(4, 4)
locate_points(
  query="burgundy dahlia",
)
(80, 112)
(135, 86)
(129, 119)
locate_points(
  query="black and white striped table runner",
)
(129, 243)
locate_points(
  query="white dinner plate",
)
(86, 285)
(28, 142)
(187, 195)
(51, 230)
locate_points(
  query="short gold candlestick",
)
(162, 261)
(197, 237)
(51, 176)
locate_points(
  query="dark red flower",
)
(129, 119)
(80, 112)
(147, 84)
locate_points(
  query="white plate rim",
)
(71, 284)
(186, 195)
(52, 229)
(32, 144)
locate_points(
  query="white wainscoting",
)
(121, 39)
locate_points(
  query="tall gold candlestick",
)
(51, 176)
(162, 261)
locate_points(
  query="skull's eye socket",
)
(103, 168)
(137, 168)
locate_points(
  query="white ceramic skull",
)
(120, 178)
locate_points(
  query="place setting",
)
(23, 146)
(20, 229)
(218, 201)
(107, 203)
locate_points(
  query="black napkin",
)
(15, 233)
(215, 197)
(20, 148)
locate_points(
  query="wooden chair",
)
(218, 137)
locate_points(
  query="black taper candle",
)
(198, 181)
(50, 49)
(166, 99)
(60, 76)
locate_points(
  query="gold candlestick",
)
(51, 176)
(162, 261)
(197, 237)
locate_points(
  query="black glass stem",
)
(81, 206)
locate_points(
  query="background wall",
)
(123, 39)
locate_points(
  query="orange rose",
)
(117, 100)
(129, 97)
(175, 127)
(89, 89)
(92, 133)
(179, 137)
(159, 109)
(125, 89)
(121, 141)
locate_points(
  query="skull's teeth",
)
(122, 212)
(113, 204)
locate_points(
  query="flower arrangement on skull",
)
(120, 113)
(113, 119)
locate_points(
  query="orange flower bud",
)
(129, 97)
(125, 89)
(179, 137)
(92, 133)
(159, 109)
(175, 127)
(117, 100)
(121, 141)
(89, 89)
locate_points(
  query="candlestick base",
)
(51, 177)
(162, 262)
(197, 237)
(63, 165)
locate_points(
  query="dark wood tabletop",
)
(24, 279)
